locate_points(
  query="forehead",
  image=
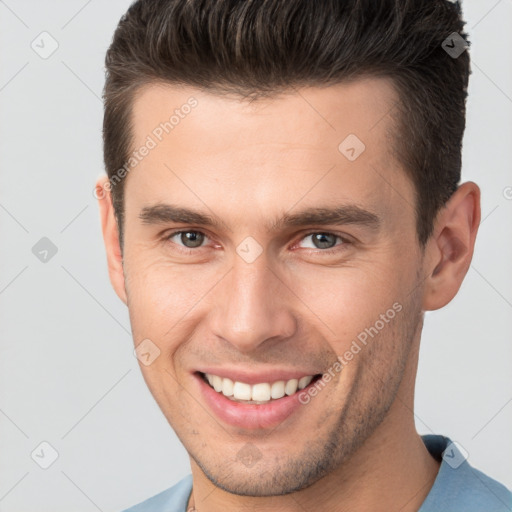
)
(300, 115)
(271, 149)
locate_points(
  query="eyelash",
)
(187, 250)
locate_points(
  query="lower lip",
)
(249, 416)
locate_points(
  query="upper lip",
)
(256, 377)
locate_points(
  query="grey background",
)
(67, 371)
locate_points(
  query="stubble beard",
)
(378, 378)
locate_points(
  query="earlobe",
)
(111, 237)
(450, 248)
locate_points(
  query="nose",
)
(254, 306)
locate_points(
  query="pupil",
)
(322, 243)
(193, 237)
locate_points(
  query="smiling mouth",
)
(261, 393)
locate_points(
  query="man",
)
(282, 205)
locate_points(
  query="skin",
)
(354, 446)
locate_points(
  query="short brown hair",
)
(259, 47)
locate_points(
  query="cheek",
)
(161, 295)
(348, 300)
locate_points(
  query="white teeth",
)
(261, 392)
(227, 387)
(291, 386)
(217, 383)
(277, 390)
(241, 391)
(305, 381)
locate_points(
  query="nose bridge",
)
(253, 306)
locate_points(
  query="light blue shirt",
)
(458, 487)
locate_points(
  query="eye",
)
(324, 240)
(189, 239)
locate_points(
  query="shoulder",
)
(173, 499)
(459, 487)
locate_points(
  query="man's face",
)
(258, 298)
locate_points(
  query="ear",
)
(111, 237)
(449, 250)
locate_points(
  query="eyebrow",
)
(162, 213)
